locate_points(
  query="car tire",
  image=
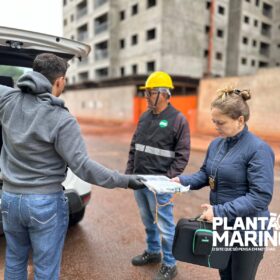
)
(75, 218)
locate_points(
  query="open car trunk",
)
(20, 47)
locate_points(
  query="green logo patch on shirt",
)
(163, 123)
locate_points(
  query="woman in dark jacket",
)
(239, 170)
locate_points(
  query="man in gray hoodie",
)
(40, 138)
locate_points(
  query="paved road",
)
(100, 248)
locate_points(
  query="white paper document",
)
(162, 184)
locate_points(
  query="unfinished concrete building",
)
(182, 37)
(251, 39)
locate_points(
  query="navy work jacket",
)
(160, 144)
(242, 167)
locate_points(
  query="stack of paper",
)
(162, 184)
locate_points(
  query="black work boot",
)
(166, 272)
(146, 258)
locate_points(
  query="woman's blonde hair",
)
(232, 102)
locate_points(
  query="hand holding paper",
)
(162, 184)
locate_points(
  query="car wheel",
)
(75, 218)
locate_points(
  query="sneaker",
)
(146, 258)
(166, 272)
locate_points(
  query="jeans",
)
(37, 222)
(165, 226)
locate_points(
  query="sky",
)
(43, 16)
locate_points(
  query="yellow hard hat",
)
(158, 79)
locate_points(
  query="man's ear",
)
(56, 88)
(56, 82)
(166, 95)
(60, 79)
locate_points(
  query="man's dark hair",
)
(50, 65)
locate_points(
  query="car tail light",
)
(86, 198)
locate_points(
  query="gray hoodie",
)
(40, 138)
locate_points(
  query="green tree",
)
(12, 71)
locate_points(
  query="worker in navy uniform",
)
(160, 146)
